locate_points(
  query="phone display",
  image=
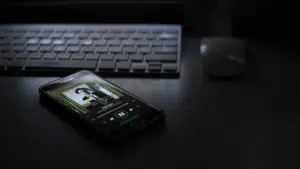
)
(103, 105)
(88, 95)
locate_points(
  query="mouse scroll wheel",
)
(203, 48)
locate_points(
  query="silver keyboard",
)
(115, 49)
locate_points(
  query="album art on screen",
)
(86, 96)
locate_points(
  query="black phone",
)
(110, 110)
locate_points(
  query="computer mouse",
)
(223, 56)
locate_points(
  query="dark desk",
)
(249, 123)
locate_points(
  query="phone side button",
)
(68, 64)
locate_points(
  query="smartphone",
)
(112, 111)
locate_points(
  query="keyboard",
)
(114, 49)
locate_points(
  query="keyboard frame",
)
(96, 70)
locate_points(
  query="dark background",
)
(262, 18)
(247, 123)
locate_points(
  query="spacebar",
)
(52, 64)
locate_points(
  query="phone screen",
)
(88, 95)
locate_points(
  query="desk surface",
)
(247, 123)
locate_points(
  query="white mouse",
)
(223, 56)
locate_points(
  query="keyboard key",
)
(46, 42)
(43, 35)
(142, 43)
(154, 63)
(34, 30)
(16, 63)
(108, 36)
(116, 30)
(6, 48)
(100, 42)
(150, 36)
(107, 65)
(17, 35)
(59, 49)
(47, 30)
(22, 55)
(92, 56)
(166, 36)
(171, 31)
(7, 55)
(170, 67)
(157, 30)
(83, 35)
(5, 42)
(154, 66)
(73, 49)
(73, 42)
(102, 49)
(19, 42)
(143, 30)
(114, 42)
(74, 30)
(120, 57)
(130, 50)
(124, 66)
(128, 43)
(129, 30)
(33, 41)
(161, 57)
(56, 35)
(30, 35)
(122, 36)
(35, 55)
(107, 57)
(168, 50)
(116, 49)
(171, 43)
(46, 48)
(157, 43)
(61, 64)
(32, 48)
(95, 36)
(88, 49)
(136, 58)
(19, 48)
(87, 42)
(145, 50)
(69, 35)
(6, 30)
(78, 56)
(64, 56)
(102, 30)
(49, 56)
(88, 30)
(61, 30)
(59, 42)
(139, 66)
(5, 35)
(20, 30)
(136, 36)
